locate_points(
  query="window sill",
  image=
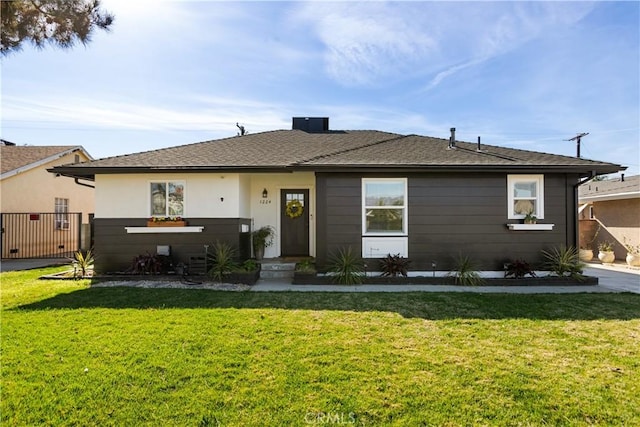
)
(530, 227)
(146, 230)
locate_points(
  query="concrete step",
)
(277, 270)
(278, 266)
(270, 274)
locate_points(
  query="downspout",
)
(576, 220)
(76, 180)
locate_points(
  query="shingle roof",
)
(611, 188)
(296, 149)
(15, 157)
(262, 150)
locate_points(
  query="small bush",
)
(564, 261)
(347, 268)
(222, 260)
(394, 266)
(306, 266)
(465, 273)
(84, 261)
(146, 264)
(518, 269)
(248, 266)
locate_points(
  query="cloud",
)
(368, 43)
(206, 114)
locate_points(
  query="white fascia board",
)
(606, 197)
(44, 161)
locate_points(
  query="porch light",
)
(265, 193)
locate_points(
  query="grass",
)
(75, 355)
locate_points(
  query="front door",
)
(294, 221)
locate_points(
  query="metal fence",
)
(40, 235)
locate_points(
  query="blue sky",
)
(518, 74)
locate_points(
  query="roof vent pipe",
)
(622, 177)
(479, 144)
(452, 139)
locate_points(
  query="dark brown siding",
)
(115, 248)
(448, 215)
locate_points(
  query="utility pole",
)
(577, 140)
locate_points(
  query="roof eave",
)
(46, 160)
(583, 171)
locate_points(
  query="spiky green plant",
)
(222, 260)
(84, 261)
(347, 267)
(465, 272)
(564, 261)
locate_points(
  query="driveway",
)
(30, 264)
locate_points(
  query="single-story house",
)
(610, 211)
(42, 215)
(428, 199)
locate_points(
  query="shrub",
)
(518, 269)
(146, 264)
(84, 261)
(221, 259)
(564, 261)
(306, 266)
(347, 268)
(464, 272)
(248, 266)
(394, 265)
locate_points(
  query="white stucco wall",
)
(267, 211)
(209, 195)
(206, 195)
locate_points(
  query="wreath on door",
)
(294, 209)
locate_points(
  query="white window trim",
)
(405, 207)
(166, 182)
(61, 216)
(514, 179)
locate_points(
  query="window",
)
(62, 214)
(167, 198)
(526, 195)
(384, 206)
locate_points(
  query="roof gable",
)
(20, 158)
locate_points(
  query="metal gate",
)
(40, 235)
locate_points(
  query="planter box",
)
(246, 278)
(166, 223)
(311, 279)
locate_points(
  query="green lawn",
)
(74, 355)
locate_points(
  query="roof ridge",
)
(347, 150)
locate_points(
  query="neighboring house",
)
(424, 198)
(38, 209)
(610, 211)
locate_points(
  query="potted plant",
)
(586, 251)
(530, 218)
(262, 238)
(605, 252)
(633, 254)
